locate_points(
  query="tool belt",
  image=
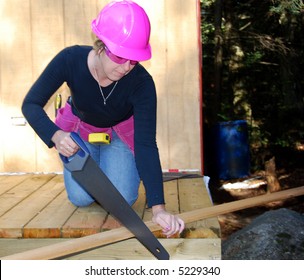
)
(69, 122)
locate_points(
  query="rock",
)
(275, 235)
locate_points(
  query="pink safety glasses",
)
(118, 59)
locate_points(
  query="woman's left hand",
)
(171, 224)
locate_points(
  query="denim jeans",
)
(117, 161)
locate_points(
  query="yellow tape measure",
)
(99, 138)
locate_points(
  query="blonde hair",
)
(98, 45)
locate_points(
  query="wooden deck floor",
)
(36, 206)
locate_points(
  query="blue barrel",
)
(232, 150)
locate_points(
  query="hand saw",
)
(89, 175)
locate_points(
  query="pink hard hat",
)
(124, 27)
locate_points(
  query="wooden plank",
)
(184, 130)
(193, 195)
(178, 127)
(24, 211)
(80, 222)
(147, 215)
(12, 246)
(49, 222)
(84, 221)
(96, 240)
(15, 195)
(179, 249)
(47, 218)
(140, 205)
(110, 223)
(46, 15)
(157, 66)
(15, 27)
(10, 224)
(2, 177)
(10, 181)
(229, 207)
(77, 21)
(171, 197)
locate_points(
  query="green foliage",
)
(207, 32)
(252, 58)
(292, 6)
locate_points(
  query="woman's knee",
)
(132, 201)
(76, 194)
(80, 201)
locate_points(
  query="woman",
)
(111, 93)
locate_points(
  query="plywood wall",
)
(33, 31)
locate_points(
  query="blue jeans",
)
(117, 161)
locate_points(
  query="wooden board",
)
(105, 238)
(85, 221)
(15, 79)
(116, 235)
(49, 221)
(8, 182)
(182, 73)
(44, 27)
(47, 35)
(191, 198)
(36, 206)
(20, 204)
(179, 249)
(12, 197)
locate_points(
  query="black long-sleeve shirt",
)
(134, 94)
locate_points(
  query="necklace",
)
(100, 89)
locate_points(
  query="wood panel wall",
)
(33, 31)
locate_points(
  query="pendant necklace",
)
(100, 89)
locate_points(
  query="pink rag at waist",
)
(68, 122)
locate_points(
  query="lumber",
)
(84, 221)
(229, 207)
(8, 182)
(178, 248)
(48, 222)
(96, 240)
(24, 210)
(191, 198)
(20, 192)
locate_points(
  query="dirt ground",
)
(232, 222)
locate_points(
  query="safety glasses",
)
(118, 59)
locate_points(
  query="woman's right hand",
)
(64, 143)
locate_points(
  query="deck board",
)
(85, 221)
(32, 204)
(131, 249)
(171, 196)
(12, 216)
(192, 198)
(36, 206)
(48, 223)
(140, 205)
(8, 182)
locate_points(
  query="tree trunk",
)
(273, 184)
(238, 96)
(218, 59)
